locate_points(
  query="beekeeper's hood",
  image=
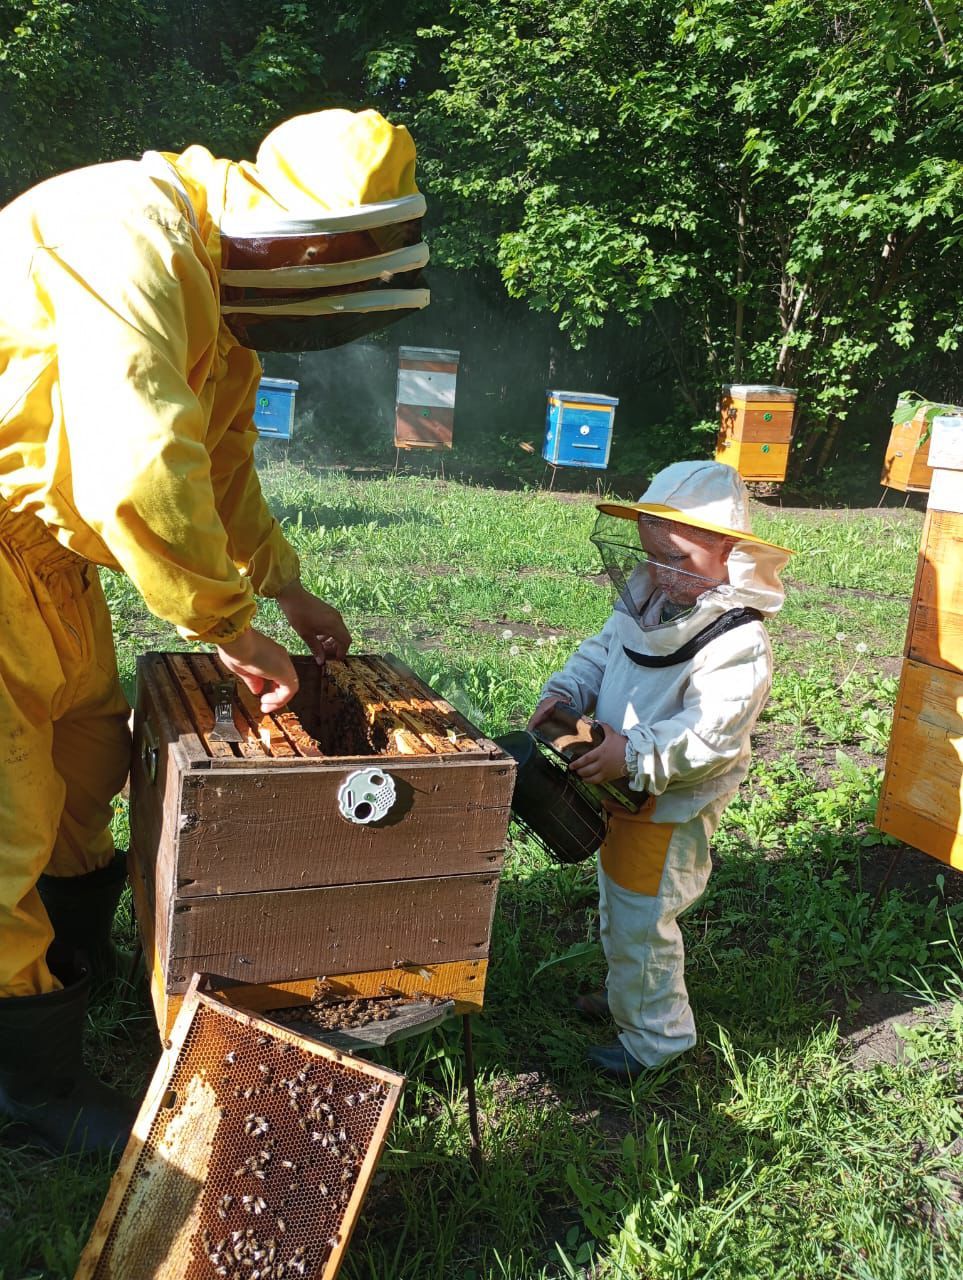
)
(317, 242)
(708, 496)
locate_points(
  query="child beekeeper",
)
(676, 678)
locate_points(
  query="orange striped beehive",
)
(357, 836)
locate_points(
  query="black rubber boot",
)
(44, 1085)
(82, 909)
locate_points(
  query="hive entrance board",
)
(250, 1157)
(367, 705)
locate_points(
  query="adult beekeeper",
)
(676, 678)
(135, 296)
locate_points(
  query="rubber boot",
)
(82, 910)
(44, 1085)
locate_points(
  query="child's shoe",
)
(593, 1006)
(615, 1061)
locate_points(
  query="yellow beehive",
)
(922, 795)
(756, 430)
(906, 461)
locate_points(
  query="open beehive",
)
(249, 1159)
(246, 864)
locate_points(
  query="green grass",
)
(766, 1152)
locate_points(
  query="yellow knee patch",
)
(633, 853)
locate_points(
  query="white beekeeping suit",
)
(687, 717)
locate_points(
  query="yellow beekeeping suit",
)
(126, 440)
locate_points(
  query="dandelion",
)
(526, 607)
(539, 642)
(514, 651)
(507, 634)
(862, 648)
(553, 639)
(840, 636)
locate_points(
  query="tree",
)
(778, 183)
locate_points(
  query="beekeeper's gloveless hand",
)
(606, 762)
(318, 623)
(264, 666)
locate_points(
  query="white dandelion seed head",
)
(507, 634)
(514, 650)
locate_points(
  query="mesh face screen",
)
(254, 1166)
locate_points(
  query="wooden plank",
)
(173, 724)
(922, 794)
(414, 1019)
(264, 729)
(302, 743)
(461, 980)
(449, 715)
(262, 937)
(195, 700)
(935, 633)
(239, 830)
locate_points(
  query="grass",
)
(772, 1150)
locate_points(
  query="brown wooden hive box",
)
(244, 868)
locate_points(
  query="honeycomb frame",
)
(250, 1157)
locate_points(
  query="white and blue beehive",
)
(274, 408)
(578, 429)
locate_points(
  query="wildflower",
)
(539, 641)
(507, 634)
(553, 639)
(526, 607)
(862, 648)
(840, 636)
(514, 651)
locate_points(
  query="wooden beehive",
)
(921, 801)
(250, 1156)
(755, 430)
(244, 868)
(906, 463)
(425, 398)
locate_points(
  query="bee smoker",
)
(562, 813)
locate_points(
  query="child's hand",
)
(604, 763)
(543, 711)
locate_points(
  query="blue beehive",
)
(274, 408)
(578, 429)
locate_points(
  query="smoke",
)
(509, 357)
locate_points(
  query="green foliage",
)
(786, 177)
(767, 1151)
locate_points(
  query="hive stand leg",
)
(397, 460)
(474, 1151)
(441, 459)
(886, 879)
(882, 497)
(551, 483)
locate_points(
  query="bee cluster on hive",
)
(291, 1131)
(332, 1012)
